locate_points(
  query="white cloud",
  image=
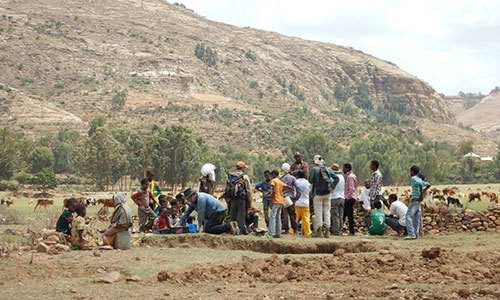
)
(453, 45)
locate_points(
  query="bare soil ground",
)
(462, 266)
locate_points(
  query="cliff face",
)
(79, 55)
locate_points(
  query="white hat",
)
(285, 167)
(318, 159)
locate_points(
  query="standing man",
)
(337, 198)
(413, 212)
(211, 213)
(294, 195)
(154, 188)
(240, 194)
(375, 182)
(265, 188)
(299, 165)
(207, 179)
(323, 182)
(351, 195)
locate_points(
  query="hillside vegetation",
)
(137, 71)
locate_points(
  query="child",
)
(265, 188)
(141, 199)
(277, 201)
(162, 222)
(83, 236)
(64, 221)
(375, 220)
(163, 203)
(302, 205)
(418, 189)
(252, 219)
(365, 197)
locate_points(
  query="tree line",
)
(110, 155)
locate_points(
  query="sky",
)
(452, 45)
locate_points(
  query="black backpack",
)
(323, 183)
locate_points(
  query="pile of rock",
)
(443, 219)
(50, 242)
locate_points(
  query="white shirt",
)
(338, 192)
(399, 209)
(304, 186)
(365, 198)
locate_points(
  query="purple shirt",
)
(291, 181)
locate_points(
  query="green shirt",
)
(378, 221)
(314, 177)
(155, 189)
(64, 221)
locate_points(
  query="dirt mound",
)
(431, 253)
(256, 245)
(397, 269)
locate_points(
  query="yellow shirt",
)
(278, 191)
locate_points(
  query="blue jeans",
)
(266, 202)
(413, 218)
(275, 219)
(393, 223)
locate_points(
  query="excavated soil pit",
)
(255, 245)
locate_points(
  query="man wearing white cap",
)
(323, 182)
(294, 195)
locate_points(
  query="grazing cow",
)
(44, 203)
(30, 202)
(485, 194)
(474, 196)
(435, 191)
(454, 201)
(106, 202)
(7, 202)
(439, 197)
(90, 201)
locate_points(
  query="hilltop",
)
(150, 62)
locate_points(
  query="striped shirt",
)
(375, 184)
(351, 186)
(416, 183)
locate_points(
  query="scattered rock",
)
(72, 290)
(339, 252)
(53, 238)
(62, 248)
(109, 277)
(431, 253)
(163, 276)
(184, 245)
(42, 248)
(463, 293)
(25, 248)
(97, 254)
(134, 278)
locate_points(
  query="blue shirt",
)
(338, 192)
(265, 188)
(205, 205)
(416, 183)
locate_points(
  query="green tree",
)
(40, 158)
(45, 179)
(96, 122)
(102, 157)
(14, 149)
(465, 147)
(119, 99)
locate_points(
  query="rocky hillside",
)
(483, 116)
(144, 62)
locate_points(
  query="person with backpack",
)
(239, 193)
(323, 182)
(207, 179)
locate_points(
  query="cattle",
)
(30, 202)
(435, 191)
(7, 202)
(106, 202)
(487, 194)
(454, 201)
(90, 201)
(44, 203)
(449, 191)
(474, 196)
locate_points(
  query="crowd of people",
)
(296, 200)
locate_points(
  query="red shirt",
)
(141, 198)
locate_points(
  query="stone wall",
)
(443, 219)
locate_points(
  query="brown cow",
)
(44, 203)
(7, 202)
(106, 202)
(474, 196)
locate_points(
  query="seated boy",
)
(364, 203)
(252, 219)
(397, 219)
(162, 199)
(162, 222)
(375, 220)
(64, 221)
(83, 236)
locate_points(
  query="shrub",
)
(59, 86)
(8, 186)
(119, 99)
(254, 84)
(251, 56)
(22, 177)
(206, 54)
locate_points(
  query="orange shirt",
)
(278, 191)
